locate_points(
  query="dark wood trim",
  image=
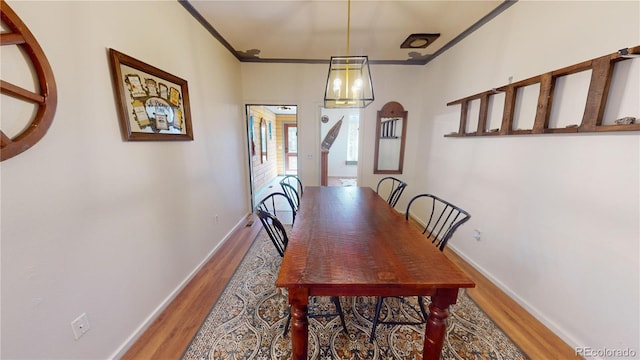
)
(422, 61)
(209, 27)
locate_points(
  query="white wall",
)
(303, 85)
(559, 214)
(84, 228)
(300, 85)
(552, 235)
(93, 224)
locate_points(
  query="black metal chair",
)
(294, 181)
(278, 204)
(444, 219)
(393, 186)
(275, 230)
(292, 195)
(278, 235)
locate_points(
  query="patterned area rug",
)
(248, 319)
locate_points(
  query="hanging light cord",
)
(346, 75)
(348, 24)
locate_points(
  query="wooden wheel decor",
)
(45, 100)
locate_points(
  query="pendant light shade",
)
(348, 83)
(349, 80)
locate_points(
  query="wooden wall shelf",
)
(601, 73)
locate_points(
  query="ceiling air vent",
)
(419, 41)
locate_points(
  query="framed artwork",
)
(263, 141)
(152, 104)
(253, 144)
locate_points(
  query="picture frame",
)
(153, 105)
(263, 141)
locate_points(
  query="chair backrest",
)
(393, 186)
(444, 218)
(275, 203)
(292, 194)
(294, 181)
(275, 230)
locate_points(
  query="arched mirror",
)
(391, 133)
(263, 141)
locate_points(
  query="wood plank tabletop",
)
(349, 241)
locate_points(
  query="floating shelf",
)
(601, 73)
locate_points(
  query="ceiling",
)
(282, 109)
(311, 31)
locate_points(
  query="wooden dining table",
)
(347, 241)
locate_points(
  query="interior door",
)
(290, 148)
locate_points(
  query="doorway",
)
(272, 145)
(340, 129)
(290, 148)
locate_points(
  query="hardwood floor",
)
(171, 333)
(533, 338)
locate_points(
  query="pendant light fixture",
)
(349, 80)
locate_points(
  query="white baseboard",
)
(163, 305)
(551, 325)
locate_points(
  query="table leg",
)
(435, 329)
(299, 301)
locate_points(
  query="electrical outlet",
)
(80, 326)
(477, 234)
(216, 218)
